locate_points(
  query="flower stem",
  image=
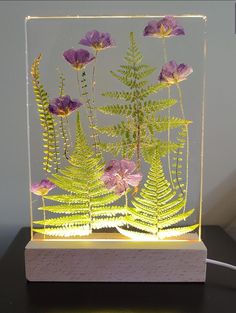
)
(168, 131)
(187, 145)
(68, 130)
(90, 113)
(138, 167)
(93, 77)
(44, 216)
(126, 207)
(78, 84)
(64, 137)
(56, 154)
(164, 49)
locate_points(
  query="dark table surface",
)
(217, 295)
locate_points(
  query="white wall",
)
(220, 142)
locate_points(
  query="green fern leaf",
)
(162, 123)
(86, 201)
(152, 106)
(50, 142)
(178, 231)
(138, 130)
(64, 231)
(65, 208)
(157, 208)
(108, 222)
(125, 110)
(120, 129)
(72, 220)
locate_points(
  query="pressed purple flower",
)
(172, 73)
(97, 40)
(42, 188)
(119, 174)
(166, 27)
(63, 106)
(78, 58)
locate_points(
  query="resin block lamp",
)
(115, 132)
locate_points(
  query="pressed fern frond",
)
(152, 106)
(122, 129)
(72, 220)
(163, 234)
(140, 123)
(51, 158)
(177, 165)
(125, 110)
(162, 123)
(157, 208)
(86, 200)
(65, 209)
(90, 112)
(64, 231)
(163, 148)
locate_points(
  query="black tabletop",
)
(217, 295)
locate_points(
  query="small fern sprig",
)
(50, 143)
(90, 111)
(64, 126)
(178, 162)
(157, 208)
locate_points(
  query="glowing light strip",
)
(117, 240)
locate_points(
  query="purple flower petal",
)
(97, 40)
(166, 27)
(172, 73)
(63, 106)
(118, 175)
(134, 179)
(78, 58)
(127, 167)
(42, 188)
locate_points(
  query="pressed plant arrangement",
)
(116, 160)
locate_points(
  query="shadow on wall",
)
(220, 206)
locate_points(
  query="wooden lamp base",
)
(115, 261)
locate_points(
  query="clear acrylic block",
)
(115, 127)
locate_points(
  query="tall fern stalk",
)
(44, 214)
(187, 145)
(168, 131)
(51, 158)
(93, 78)
(64, 127)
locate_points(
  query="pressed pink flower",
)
(119, 174)
(63, 106)
(97, 40)
(172, 73)
(78, 58)
(42, 188)
(166, 27)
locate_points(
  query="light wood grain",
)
(117, 261)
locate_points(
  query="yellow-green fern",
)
(51, 158)
(84, 204)
(136, 132)
(158, 208)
